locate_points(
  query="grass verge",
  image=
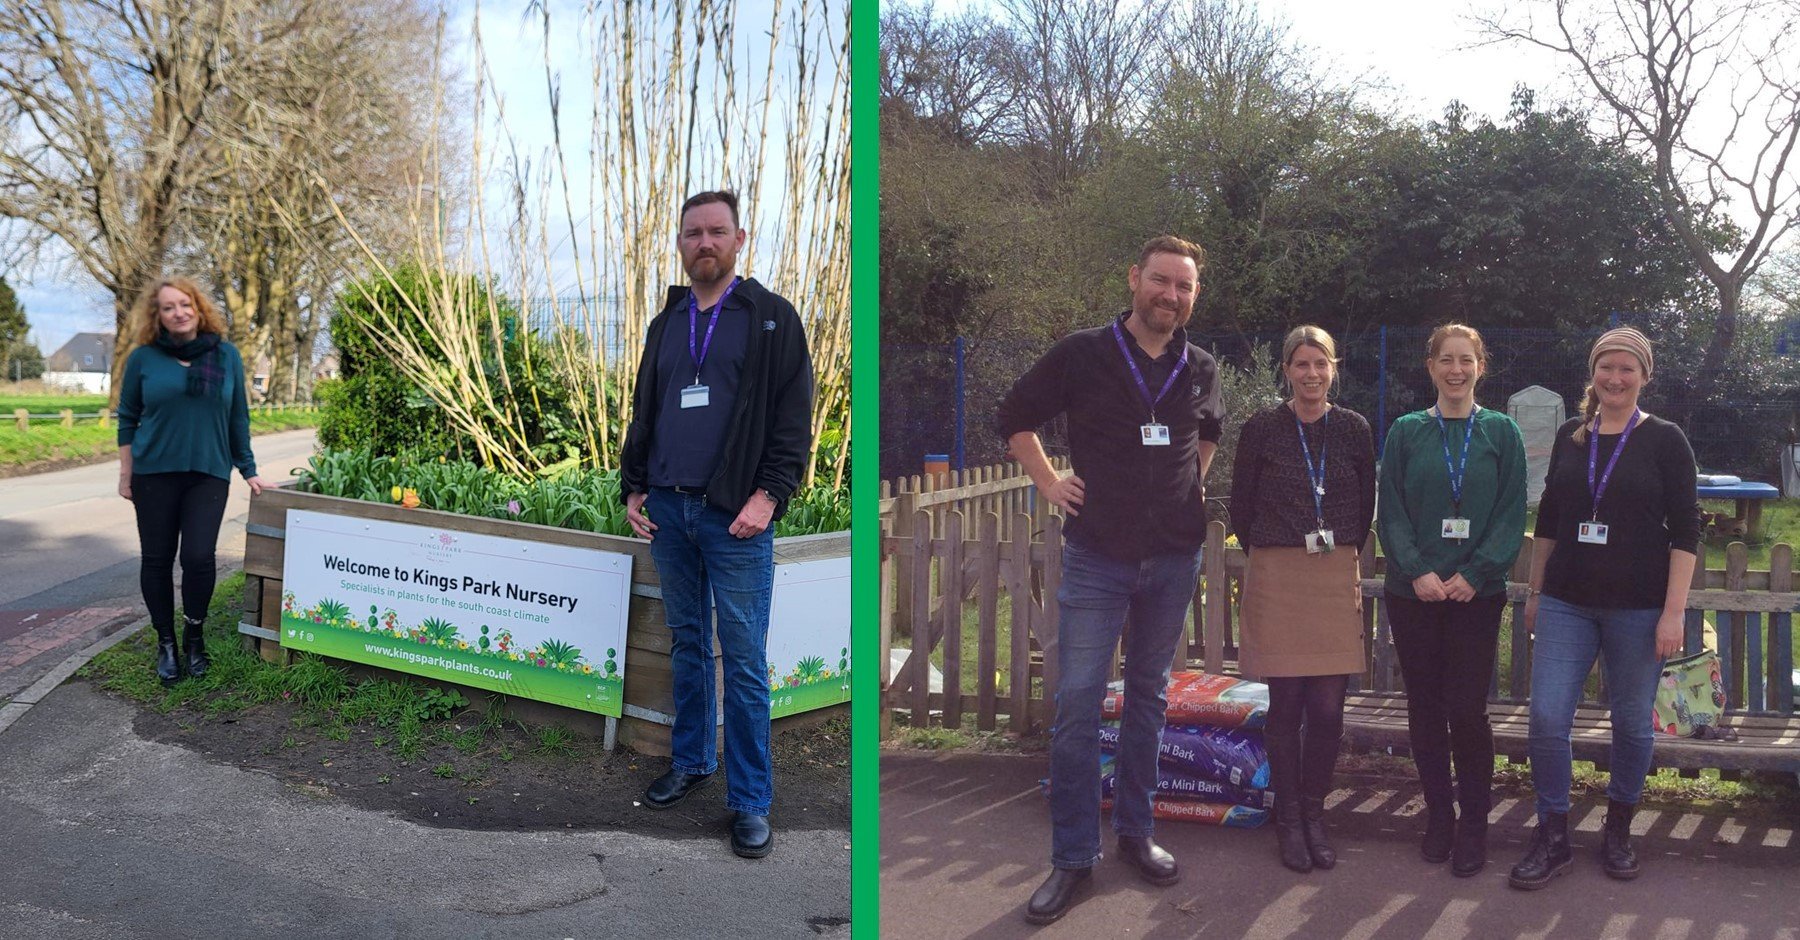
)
(400, 714)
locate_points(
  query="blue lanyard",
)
(1456, 470)
(1594, 458)
(1144, 388)
(1316, 476)
(699, 356)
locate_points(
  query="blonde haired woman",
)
(184, 423)
(1302, 497)
(1452, 520)
(1618, 528)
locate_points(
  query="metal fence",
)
(941, 398)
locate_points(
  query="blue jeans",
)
(1097, 595)
(704, 567)
(1568, 638)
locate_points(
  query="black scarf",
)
(206, 366)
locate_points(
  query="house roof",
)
(84, 352)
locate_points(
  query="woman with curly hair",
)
(184, 423)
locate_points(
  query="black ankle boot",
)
(1057, 894)
(1290, 835)
(168, 660)
(1620, 860)
(1469, 854)
(1440, 832)
(193, 641)
(1548, 856)
(1312, 822)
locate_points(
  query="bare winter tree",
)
(1710, 90)
(100, 107)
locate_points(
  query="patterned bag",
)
(1690, 696)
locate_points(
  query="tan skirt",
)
(1302, 614)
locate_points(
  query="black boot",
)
(1440, 832)
(1312, 822)
(1548, 856)
(168, 660)
(193, 641)
(1290, 834)
(1469, 855)
(1621, 861)
(1057, 894)
(1153, 862)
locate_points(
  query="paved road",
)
(69, 556)
(964, 840)
(113, 837)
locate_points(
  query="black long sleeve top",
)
(1271, 496)
(1650, 507)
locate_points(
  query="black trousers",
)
(178, 513)
(1447, 653)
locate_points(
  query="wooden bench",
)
(1765, 743)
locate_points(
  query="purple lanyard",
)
(1143, 387)
(1594, 458)
(699, 356)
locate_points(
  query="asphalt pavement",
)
(965, 839)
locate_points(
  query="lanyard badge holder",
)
(1457, 525)
(1319, 540)
(698, 395)
(1154, 434)
(1593, 532)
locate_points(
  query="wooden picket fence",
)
(973, 560)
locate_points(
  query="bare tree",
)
(100, 106)
(1710, 89)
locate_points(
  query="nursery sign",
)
(809, 636)
(539, 621)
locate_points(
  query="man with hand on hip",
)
(720, 431)
(1144, 419)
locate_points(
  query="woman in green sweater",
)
(184, 422)
(1451, 518)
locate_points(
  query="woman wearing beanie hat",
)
(1620, 523)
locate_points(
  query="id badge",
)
(1456, 528)
(695, 396)
(1320, 542)
(1591, 533)
(1155, 435)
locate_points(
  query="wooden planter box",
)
(649, 696)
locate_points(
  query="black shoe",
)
(1548, 856)
(673, 787)
(1057, 894)
(1290, 836)
(1440, 833)
(1312, 823)
(1619, 858)
(1152, 861)
(1469, 855)
(193, 642)
(751, 836)
(168, 659)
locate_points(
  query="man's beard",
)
(708, 269)
(1165, 318)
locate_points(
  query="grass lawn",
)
(49, 403)
(48, 443)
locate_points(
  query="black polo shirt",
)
(1141, 500)
(685, 444)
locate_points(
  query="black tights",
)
(185, 510)
(1304, 732)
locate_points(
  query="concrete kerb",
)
(21, 703)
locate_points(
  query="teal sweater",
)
(170, 431)
(1415, 500)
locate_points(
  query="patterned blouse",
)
(1271, 497)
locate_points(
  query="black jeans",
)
(1447, 653)
(178, 510)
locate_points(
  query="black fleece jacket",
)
(771, 426)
